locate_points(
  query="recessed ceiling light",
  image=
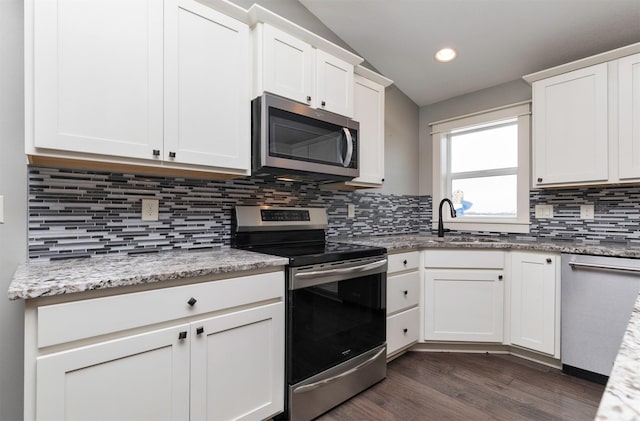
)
(445, 54)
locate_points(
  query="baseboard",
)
(482, 348)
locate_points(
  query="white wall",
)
(13, 181)
(496, 96)
(401, 113)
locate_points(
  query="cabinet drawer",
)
(65, 322)
(470, 259)
(403, 261)
(402, 330)
(402, 291)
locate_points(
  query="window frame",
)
(441, 176)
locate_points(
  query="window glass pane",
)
(495, 197)
(488, 148)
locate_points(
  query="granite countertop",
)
(55, 277)
(398, 243)
(621, 398)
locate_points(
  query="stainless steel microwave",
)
(293, 141)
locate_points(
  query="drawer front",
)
(403, 261)
(402, 291)
(402, 330)
(470, 259)
(60, 323)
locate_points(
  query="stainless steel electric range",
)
(335, 310)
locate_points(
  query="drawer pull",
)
(500, 277)
(199, 330)
(405, 262)
(156, 152)
(405, 292)
(192, 301)
(182, 335)
(172, 154)
(405, 330)
(548, 260)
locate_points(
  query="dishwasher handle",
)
(580, 265)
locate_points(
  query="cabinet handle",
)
(405, 330)
(549, 260)
(324, 103)
(539, 179)
(192, 301)
(383, 179)
(308, 98)
(182, 335)
(172, 154)
(405, 262)
(500, 277)
(199, 330)
(405, 292)
(156, 152)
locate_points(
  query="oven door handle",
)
(333, 379)
(344, 271)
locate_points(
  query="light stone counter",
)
(47, 278)
(621, 399)
(397, 243)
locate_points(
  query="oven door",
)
(335, 312)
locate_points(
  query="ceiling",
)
(497, 40)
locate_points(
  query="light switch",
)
(587, 212)
(544, 211)
(1, 209)
(351, 210)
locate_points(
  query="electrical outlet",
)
(544, 211)
(149, 209)
(351, 210)
(587, 212)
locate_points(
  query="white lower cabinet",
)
(535, 301)
(141, 377)
(464, 295)
(403, 291)
(224, 359)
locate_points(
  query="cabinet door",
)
(334, 84)
(368, 110)
(464, 305)
(207, 79)
(570, 127)
(237, 365)
(629, 116)
(288, 68)
(98, 76)
(533, 301)
(141, 377)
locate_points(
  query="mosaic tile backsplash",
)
(79, 213)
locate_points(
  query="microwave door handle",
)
(348, 156)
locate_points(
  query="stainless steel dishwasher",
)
(598, 296)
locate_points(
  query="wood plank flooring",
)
(454, 386)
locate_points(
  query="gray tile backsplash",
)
(80, 213)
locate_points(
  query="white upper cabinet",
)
(334, 84)
(290, 65)
(132, 82)
(586, 121)
(97, 76)
(287, 65)
(207, 94)
(368, 111)
(629, 117)
(570, 124)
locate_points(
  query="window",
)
(481, 163)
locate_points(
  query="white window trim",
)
(519, 224)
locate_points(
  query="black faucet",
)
(441, 229)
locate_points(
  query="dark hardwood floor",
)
(453, 386)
